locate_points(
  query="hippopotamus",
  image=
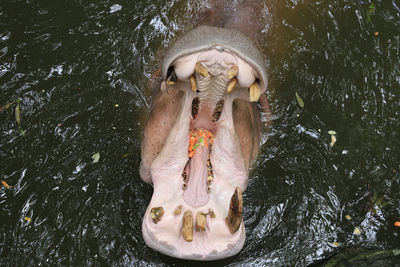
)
(201, 137)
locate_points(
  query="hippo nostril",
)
(218, 110)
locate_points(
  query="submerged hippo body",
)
(201, 137)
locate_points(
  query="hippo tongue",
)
(196, 192)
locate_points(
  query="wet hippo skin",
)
(202, 135)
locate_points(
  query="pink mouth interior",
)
(196, 192)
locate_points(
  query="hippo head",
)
(202, 134)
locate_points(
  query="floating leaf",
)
(6, 106)
(348, 217)
(333, 140)
(21, 132)
(336, 244)
(371, 10)
(28, 219)
(18, 113)
(5, 184)
(357, 231)
(96, 157)
(397, 224)
(331, 132)
(299, 101)
(125, 155)
(372, 7)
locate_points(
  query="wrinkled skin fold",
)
(202, 135)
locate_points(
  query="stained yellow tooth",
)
(193, 84)
(201, 221)
(254, 93)
(156, 214)
(178, 210)
(211, 213)
(234, 218)
(169, 82)
(187, 227)
(231, 85)
(201, 69)
(232, 72)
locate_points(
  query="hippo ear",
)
(205, 37)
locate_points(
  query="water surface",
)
(80, 70)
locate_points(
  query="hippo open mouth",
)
(202, 134)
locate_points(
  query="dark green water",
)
(71, 62)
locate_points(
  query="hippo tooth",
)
(178, 210)
(201, 69)
(211, 213)
(231, 85)
(163, 86)
(254, 92)
(156, 214)
(234, 218)
(187, 227)
(201, 221)
(171, 80)
(193, 84)
(232, 72)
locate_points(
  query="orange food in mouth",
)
(199, 137)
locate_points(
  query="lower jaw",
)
(215, 241)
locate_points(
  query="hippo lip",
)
(200, 172)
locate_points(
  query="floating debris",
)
(371, 10)
(21, 132)
(333, 137)
(28, 219)
(397, 224)
(376, 33)
(8, 105)
(333, 140)
(18, 113)
(116, 105)
(115, 8)
(348, 217)
(125, 155)
(5, 184)
(96, 157)
(299, 100)
(336, 244)
(357, 231)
